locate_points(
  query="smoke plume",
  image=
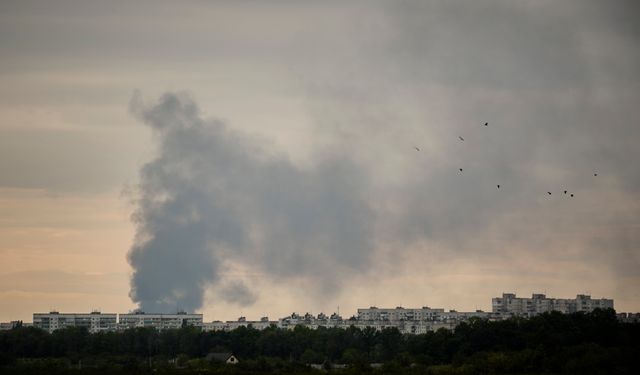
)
(391, 201)
(214, 196)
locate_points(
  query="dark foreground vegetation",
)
(594, 343)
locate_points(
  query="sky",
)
(257, 158)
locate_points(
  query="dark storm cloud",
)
(214, 195)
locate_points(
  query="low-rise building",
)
(227, 358)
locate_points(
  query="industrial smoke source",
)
(214, 196)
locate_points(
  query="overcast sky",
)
(259, 157)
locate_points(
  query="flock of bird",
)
(498, 185)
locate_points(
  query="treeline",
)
(591, 343)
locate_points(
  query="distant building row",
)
(101, 322)
(406, 320)
(509, 304)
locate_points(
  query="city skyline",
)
(541, 303)
(408, 320)
(254, 156)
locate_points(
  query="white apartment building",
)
(159, 321)
(216, 325)
(584, 303)
(399, 313)
(310, 321)
(422, 320)
(94, 321)
(509, 304)
(230, 325)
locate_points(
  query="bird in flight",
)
(572, 195)
(460, 169)
(498, 186)
(486, 124)
(548, 192)
(462, 139)
(595, 174)
(565, 192)
(417, 149)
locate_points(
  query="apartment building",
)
(159, 321)
(94, 321)
(509, 304)
(230, 325)
(400, 313)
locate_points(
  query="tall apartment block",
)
(94, 321)
(509, 304)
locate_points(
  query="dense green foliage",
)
(594, 343)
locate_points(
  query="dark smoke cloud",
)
(214, 196)
(237, 292)
(560, 108)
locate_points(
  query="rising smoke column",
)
(213, 195)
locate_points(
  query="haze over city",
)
(262, 157)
